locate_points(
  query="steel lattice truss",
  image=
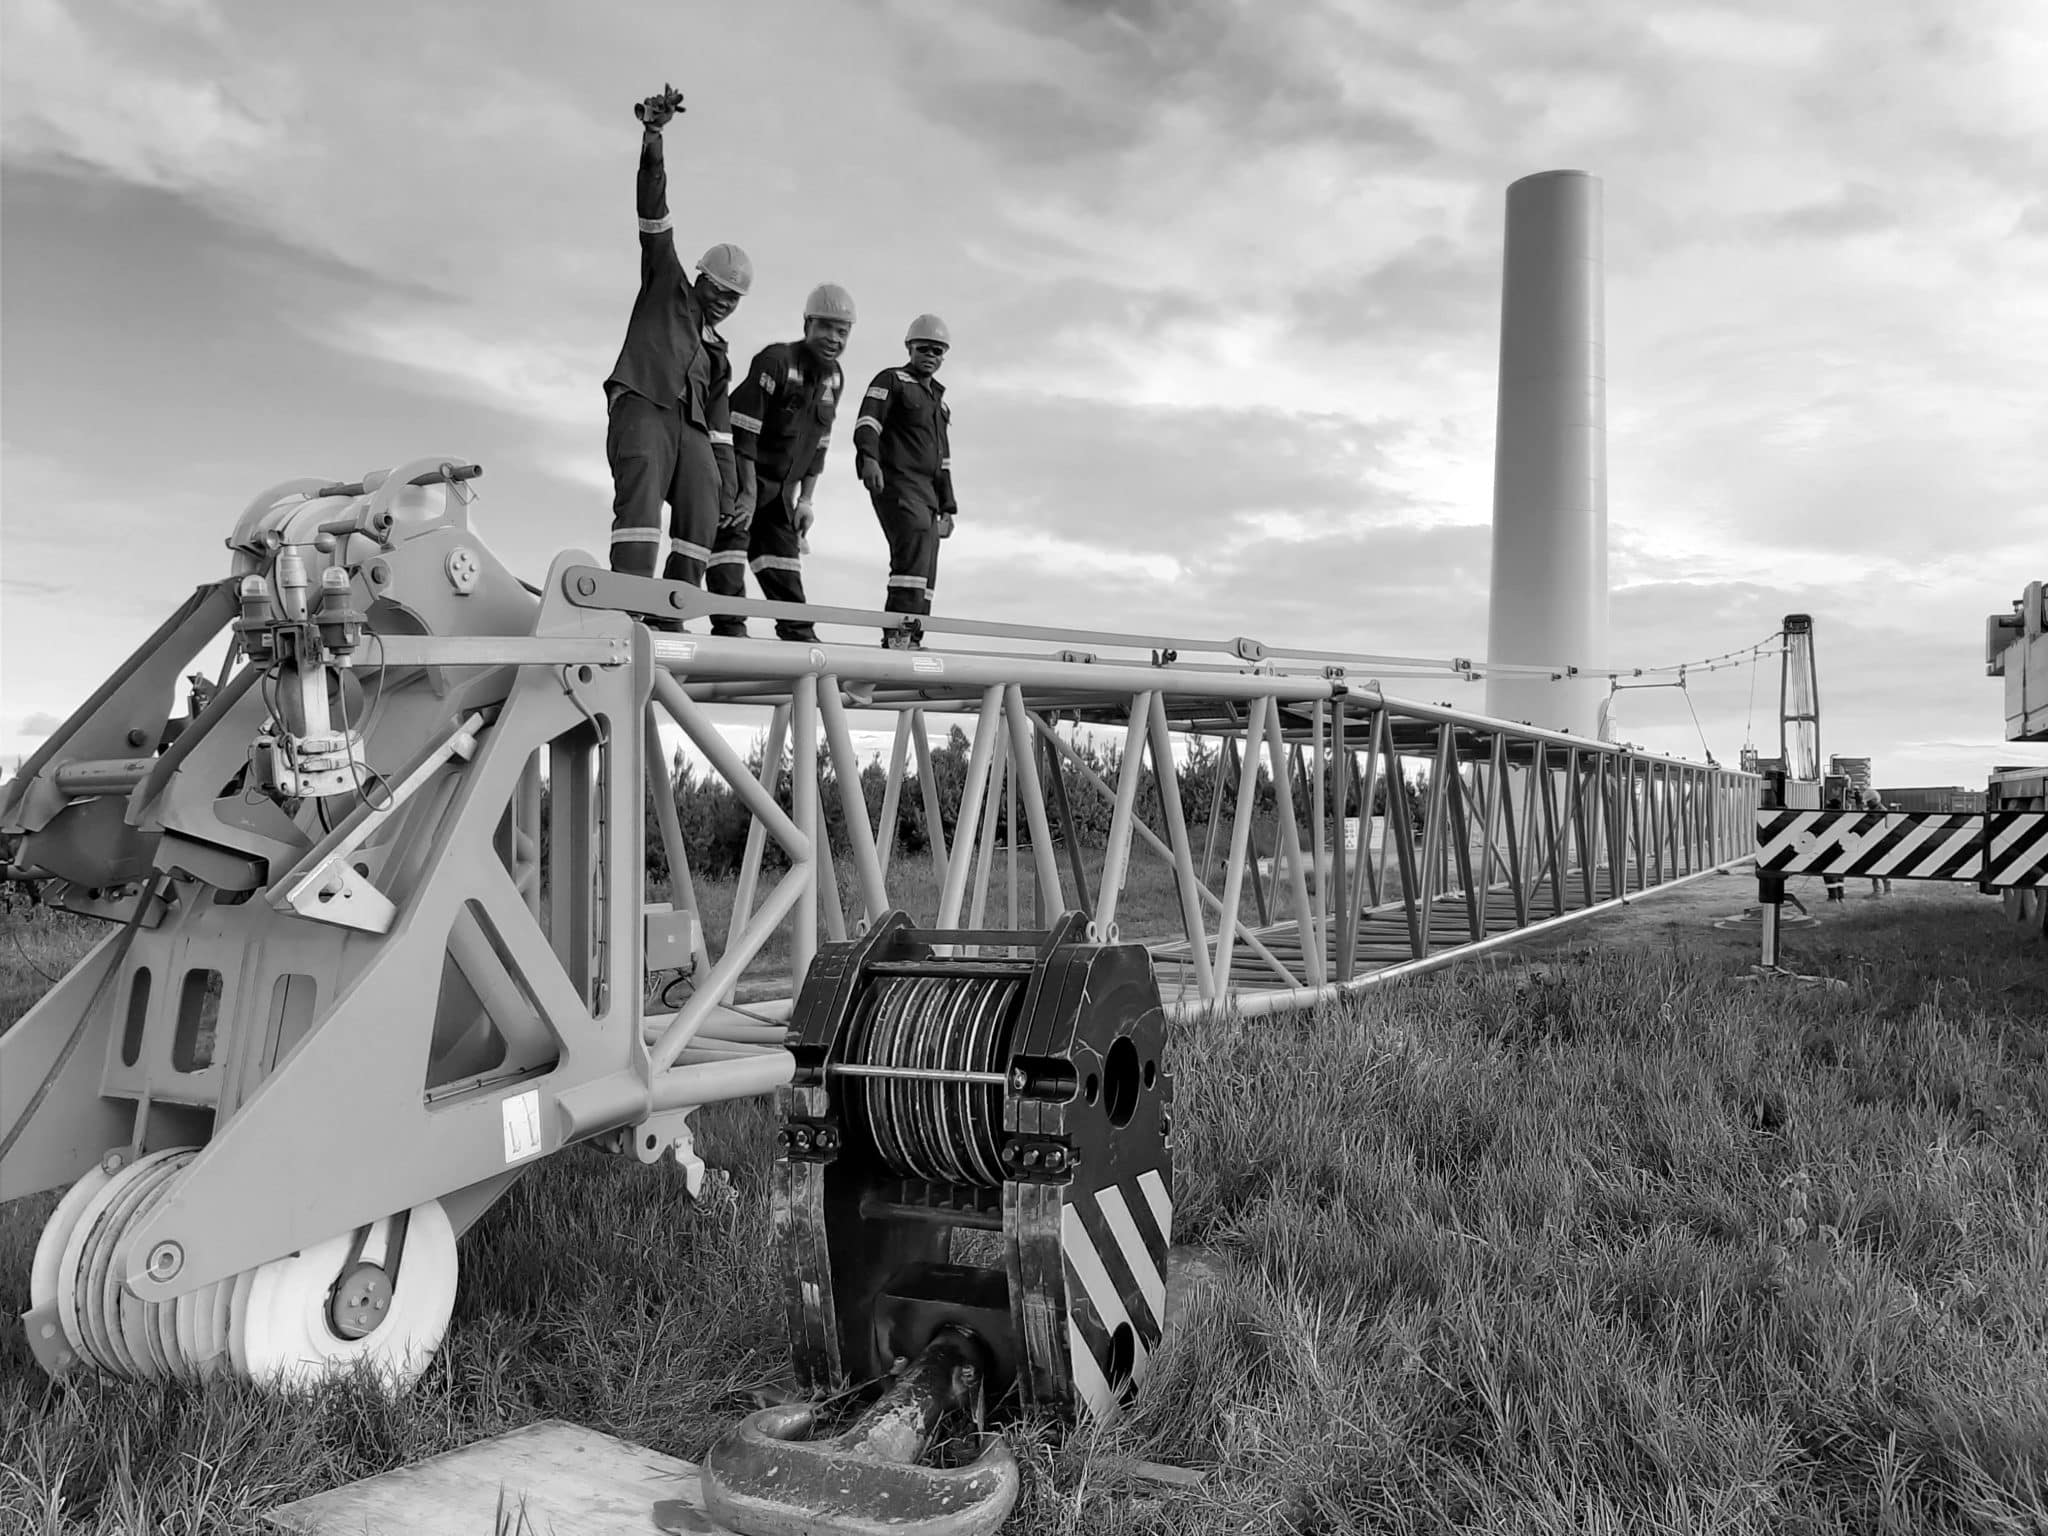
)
(465, 954)
(1514, 828)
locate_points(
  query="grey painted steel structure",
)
(414, 998)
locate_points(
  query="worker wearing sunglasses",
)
(904, 456)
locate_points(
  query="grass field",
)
(1609, 1240)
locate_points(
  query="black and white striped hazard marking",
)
(1114, 1242)
(1903, 845)
(2016, 851)
(2003, 848)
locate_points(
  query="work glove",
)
(656, 111)
(742, 514)
(871, 473)
(944, 523)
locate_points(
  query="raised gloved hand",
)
(871, 473)
(656, 111)
(944, 523)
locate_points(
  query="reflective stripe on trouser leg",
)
(693, 507)
(640, 446)
(774, 552)
(726, 575)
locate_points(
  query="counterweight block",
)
(1026, 1096)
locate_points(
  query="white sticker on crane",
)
(522, 1126)
(927, 664)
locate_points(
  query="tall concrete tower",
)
(1550, 455)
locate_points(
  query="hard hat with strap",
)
(728, 266)
(928, 328)
(829, 301)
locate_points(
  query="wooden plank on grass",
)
(569, 1481)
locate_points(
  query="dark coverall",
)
(782, 414)
(906, 419)
(670, 433)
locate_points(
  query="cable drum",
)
(946, 1131)
(1019, 1091)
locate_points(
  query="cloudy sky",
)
(1223, 280)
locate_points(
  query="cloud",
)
(25, 586)
(1139, 475)
(558, 383)
(84, 95)
(1224, 290)
(1062, 82)
(1857, 210)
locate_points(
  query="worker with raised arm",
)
(782, 413)
(903, 452)
(670, 433)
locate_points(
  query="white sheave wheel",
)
(90, 1275)
(49, 1258)
(284, 1331)
(383, 1296)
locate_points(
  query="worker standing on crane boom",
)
(904, 455)
(782, 413)
(669, 438)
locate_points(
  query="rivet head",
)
(586, 586)
(165, 1260)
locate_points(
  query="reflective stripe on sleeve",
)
(635, 536)
(911, 583)
(866, 421)
(745, 423)
(946, 464)
(720, 438)
(653, 226)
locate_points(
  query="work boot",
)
(729, 628)
(801, 634)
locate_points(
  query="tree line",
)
(714, 820)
